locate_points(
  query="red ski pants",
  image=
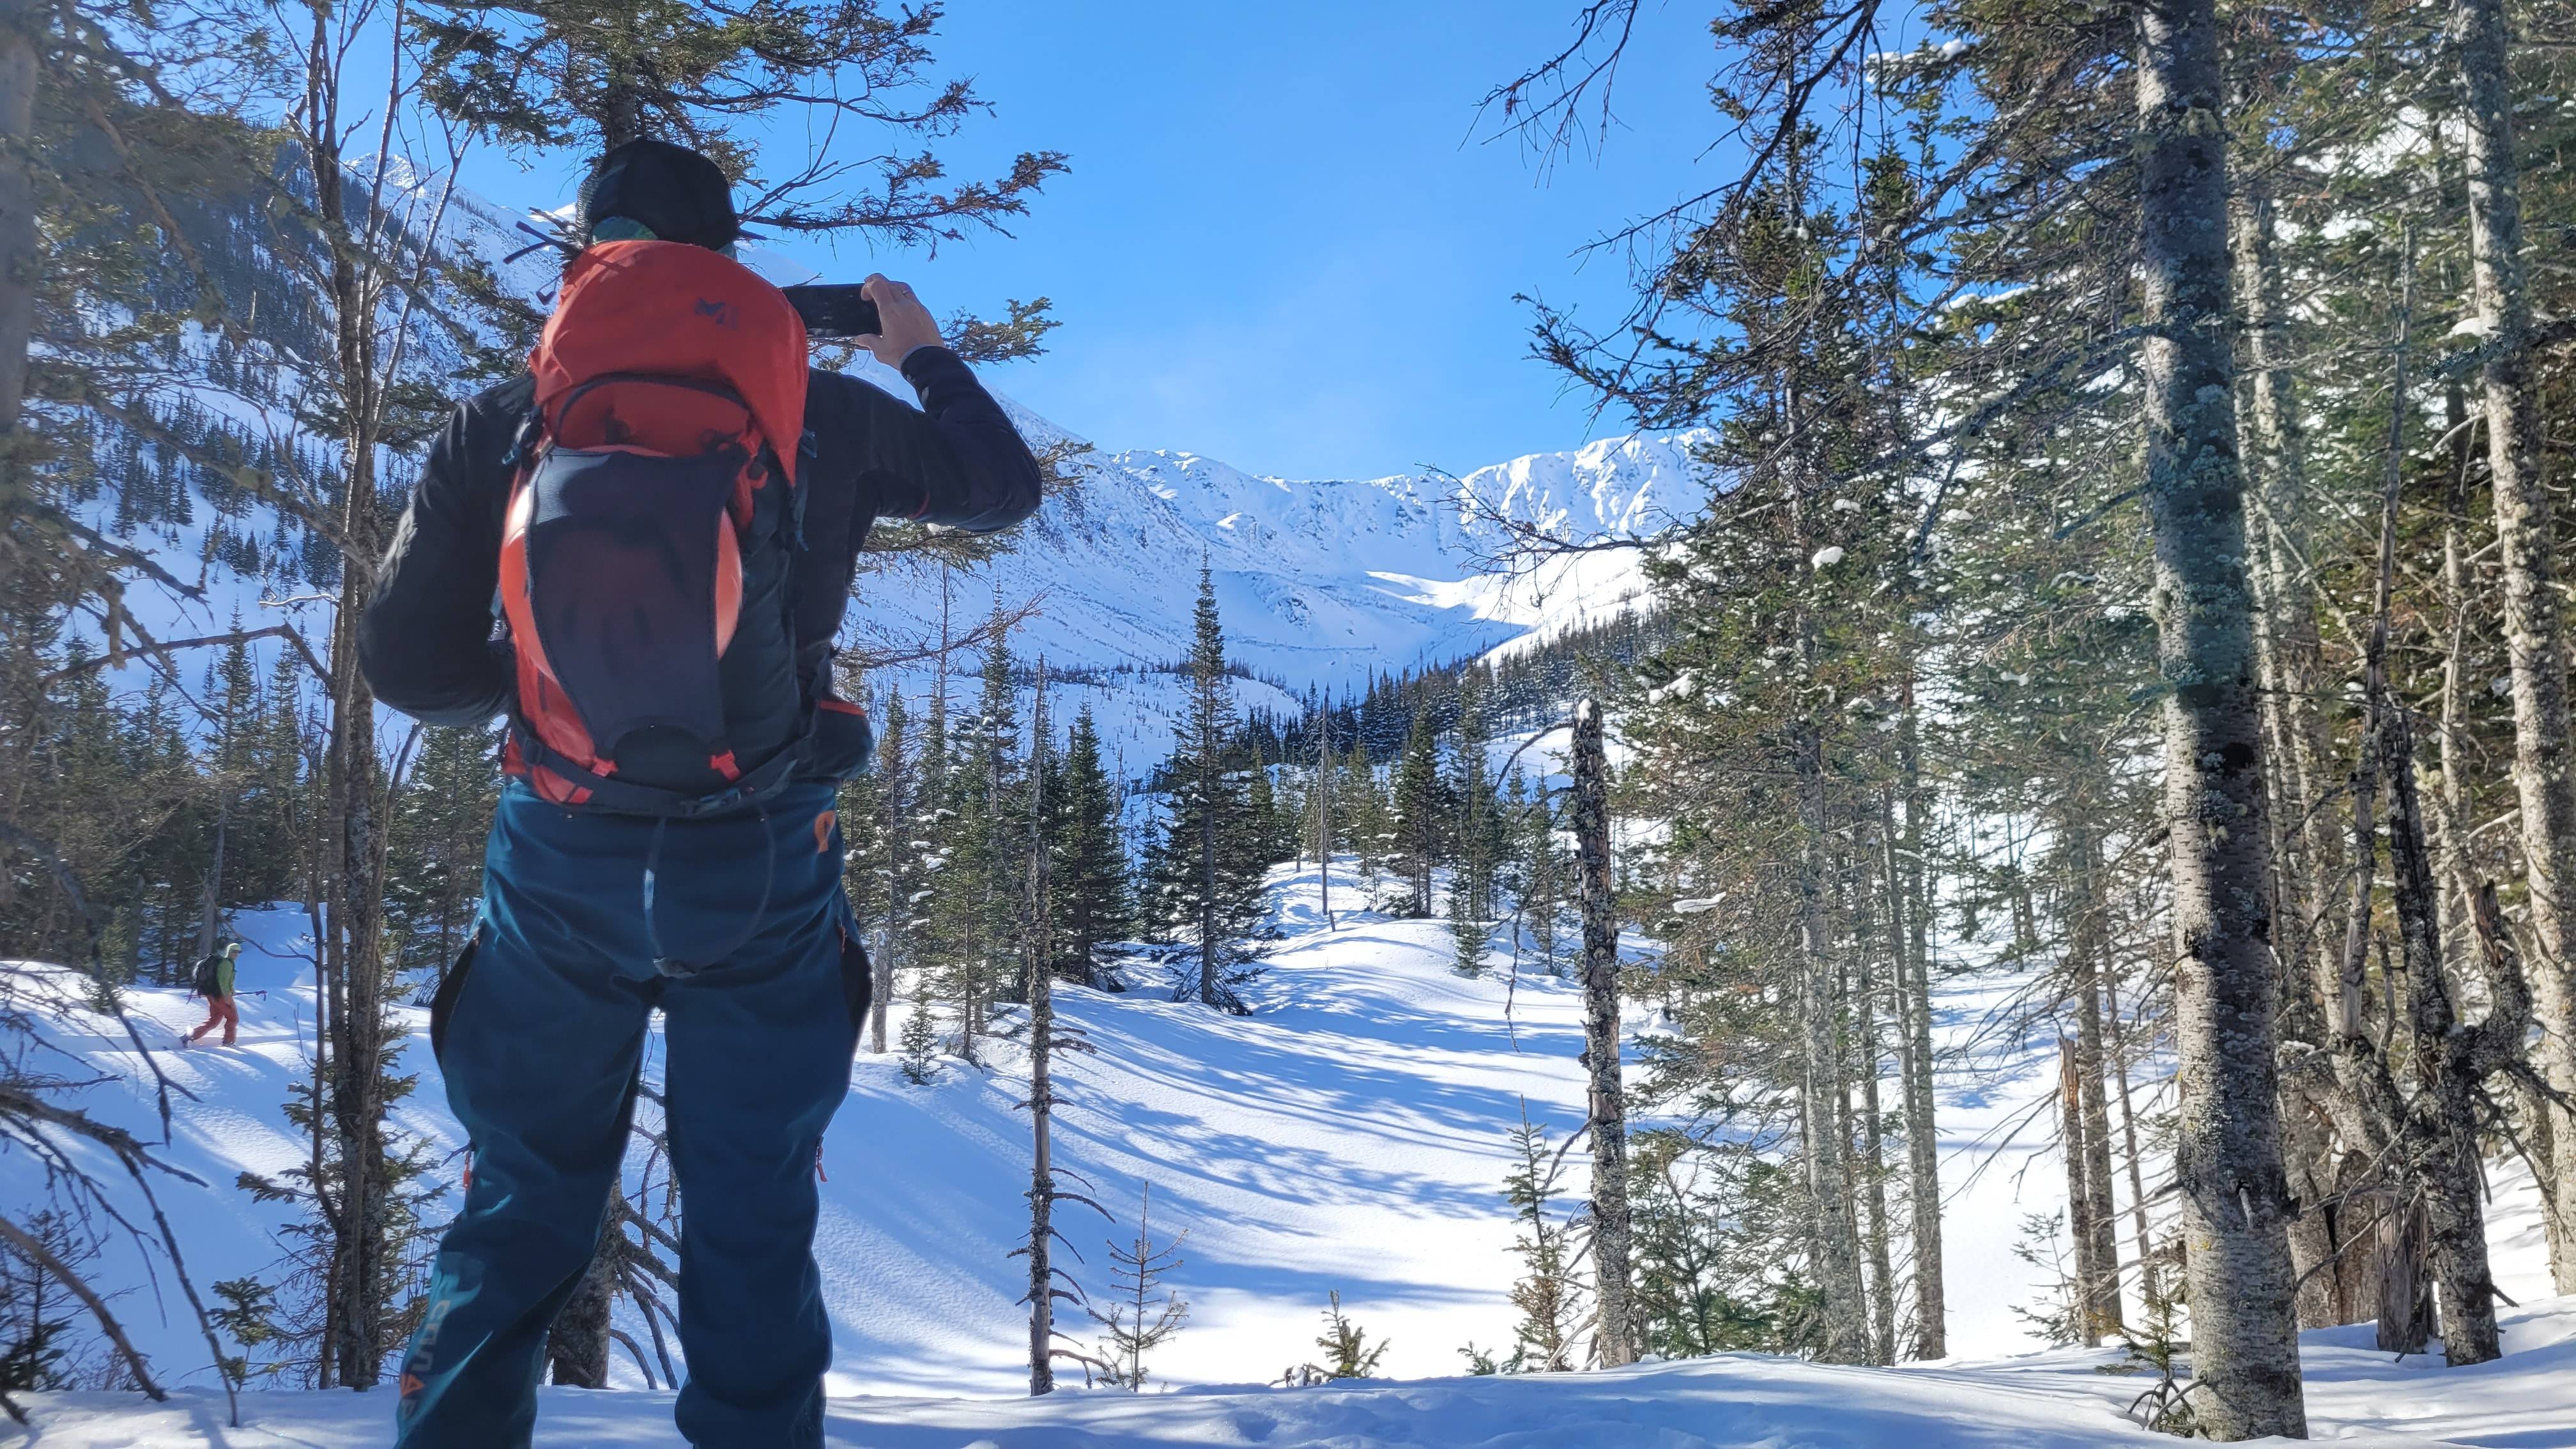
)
(221, 1011)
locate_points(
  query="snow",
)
(1349, 1136)
(1732, 1400)
(2064, 1400)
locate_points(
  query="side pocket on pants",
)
(442, 1003)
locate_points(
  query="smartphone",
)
(833, 310)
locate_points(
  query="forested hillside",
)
(2066, 674)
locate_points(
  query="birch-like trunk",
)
(2533, 628)
(2234, 1202)
(1614, 1336)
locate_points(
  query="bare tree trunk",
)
(20, 20)
(1324, 809)
(2405, 1289)
(1614, 1334)
(578, 1341)
(1914, 992)
(2308, 857)
(2148, 1285)
(1822, 1098)
(2534, 635)
(2101, 1211)
(2445, 1136)
(352, 855)
(2079, 1199)
(1873, 1133)
(211, 914)
(881, 966)
(2235, 1203)
(2450, 817)
(1041, 1081)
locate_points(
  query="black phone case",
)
(833, 310)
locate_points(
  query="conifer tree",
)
(1416, 805)
(1540, 872)
(1136, 1324)
(434, 855)
(979, 891)
(1206, 871)
(1475, 825)
(1363, 807)
(895, 794)
(1549, 1294)
(920, 1042)
(1348, 1354)
(1091, 895)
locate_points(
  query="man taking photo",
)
(666, 516)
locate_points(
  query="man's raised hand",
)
(903, 323)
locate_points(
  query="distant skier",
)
(214, 981)
(667, 513)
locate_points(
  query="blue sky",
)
(1284, 242)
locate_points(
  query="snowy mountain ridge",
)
(1322, 584)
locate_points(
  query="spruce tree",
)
(1419, 811)
(434, 857)
(979, 890)
(1475, 825)
(1091, 895)
(1206, 872)
(920, 1042)
(1365, 818)
(895, 792)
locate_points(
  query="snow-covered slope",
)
(1321, 583)
(1349, 1137)
(2053, 1401)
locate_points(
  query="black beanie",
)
(674, 192)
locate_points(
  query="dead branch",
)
(43, 1257)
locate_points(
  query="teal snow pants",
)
(540, 1030)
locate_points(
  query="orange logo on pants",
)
(823, 831)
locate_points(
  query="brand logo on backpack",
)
(654, 499)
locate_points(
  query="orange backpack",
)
(655, 492)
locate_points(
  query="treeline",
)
(1164, 887)
(186, 804)
(1522, 688)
